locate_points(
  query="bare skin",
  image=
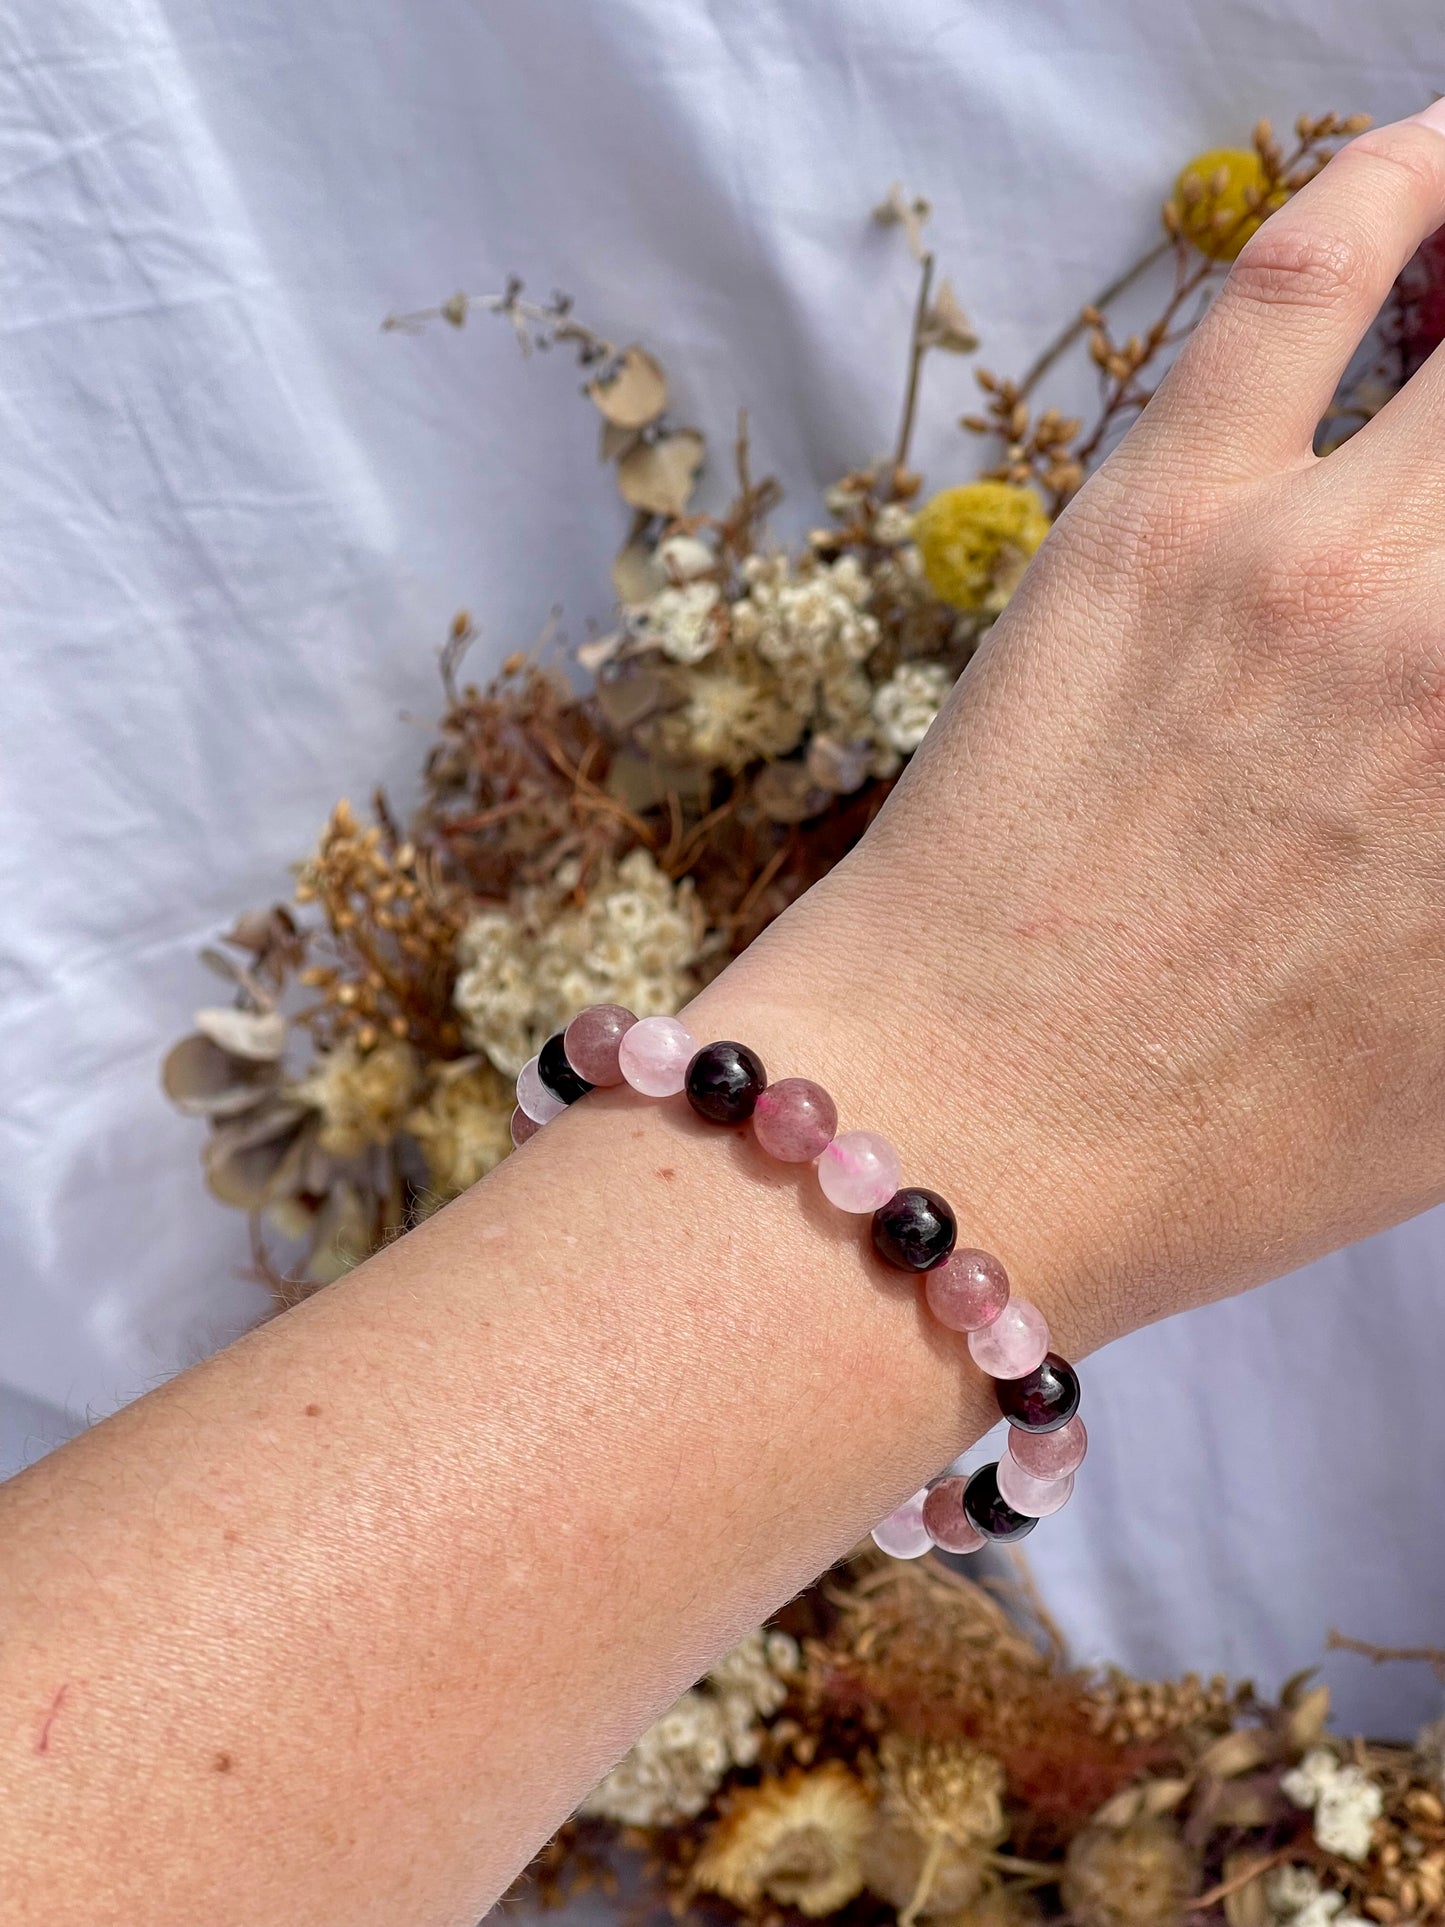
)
(1141, 967)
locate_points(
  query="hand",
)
(1154, 927)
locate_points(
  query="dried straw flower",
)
(525, 972)
(1010, 1906)
(798, 1840)
(968, 535)
(1139, 1876)
(361, 1096)
(940, 1815)
(463, 1125)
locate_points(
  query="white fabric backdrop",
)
(235, 520)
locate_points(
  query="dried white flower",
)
(1295, 1898)
(525, 973)
(362, 1095)
(893, 525)
(679, 1763)
(682, 622)
(904, 707)
(1345, 1799)
(807, 618)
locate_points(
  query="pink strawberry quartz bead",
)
(654, 1055)
(1035, 1498)
(1050, 1455)
(859, 1171)
(523, 1127)
(1014, 1343)
(794, 1120)
(592, 1040)
(945, 1520)
(967, 1291)
(534, 1098)
(903, 1535)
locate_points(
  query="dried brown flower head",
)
(940, 1814)
(796, 1840)
(1141, 1875)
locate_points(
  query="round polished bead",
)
(945, 1520)
(557, 1074)
(1049, 1455)
(533, 1097)
(903, 1534)
(794, 1120)
(859, 1171)
(1016, 1341)
(654, 1055)
(915, 1230)
(1034, 1498)
(724, 1082)
(1041, 1400)
(591, 1041)
(967, 1291)
(986, 1508)
(523, 1127)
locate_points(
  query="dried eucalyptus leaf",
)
(1120, 1812)
(637, 574)
(641, 782)
(786, 793)
(659, 476)
(633, 392)
(1247, 1906)
(633, 691)
(247, 1168)
(259, 1035)
(1163, 1796)
(615, 442)
(1238, 1752)
(1307, 1719)
(203, 1080)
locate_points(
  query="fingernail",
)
(1432, 116)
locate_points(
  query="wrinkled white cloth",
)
(235, 520)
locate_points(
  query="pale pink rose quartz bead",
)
(945, 1521)
(1014, 1343)
(523, 1127)
(1035, 1498)
(794, 1120)
(1050, 1455)
(967, 1291)
(534, 1098)
(903, 1534)
(592, 1039)
(859, 1171)
(654, 1055)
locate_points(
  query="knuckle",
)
(1404, 156)
(1292, 266)
(1296, 597)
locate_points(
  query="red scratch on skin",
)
(42, 1739)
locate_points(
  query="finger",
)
(1259, 372)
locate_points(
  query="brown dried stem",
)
(917, 349)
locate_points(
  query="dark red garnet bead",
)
(724, 1082)
(1043, 1399)
(915, 1230)
(987, 1509)
(557, 1074)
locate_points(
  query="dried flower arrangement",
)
(899, 1745)
(619, 835)
(908, 1745)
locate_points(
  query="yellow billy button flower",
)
(967, 535)
(1222, 197)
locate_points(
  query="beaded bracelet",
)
(796, 1121)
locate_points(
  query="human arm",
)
(1140, 968)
